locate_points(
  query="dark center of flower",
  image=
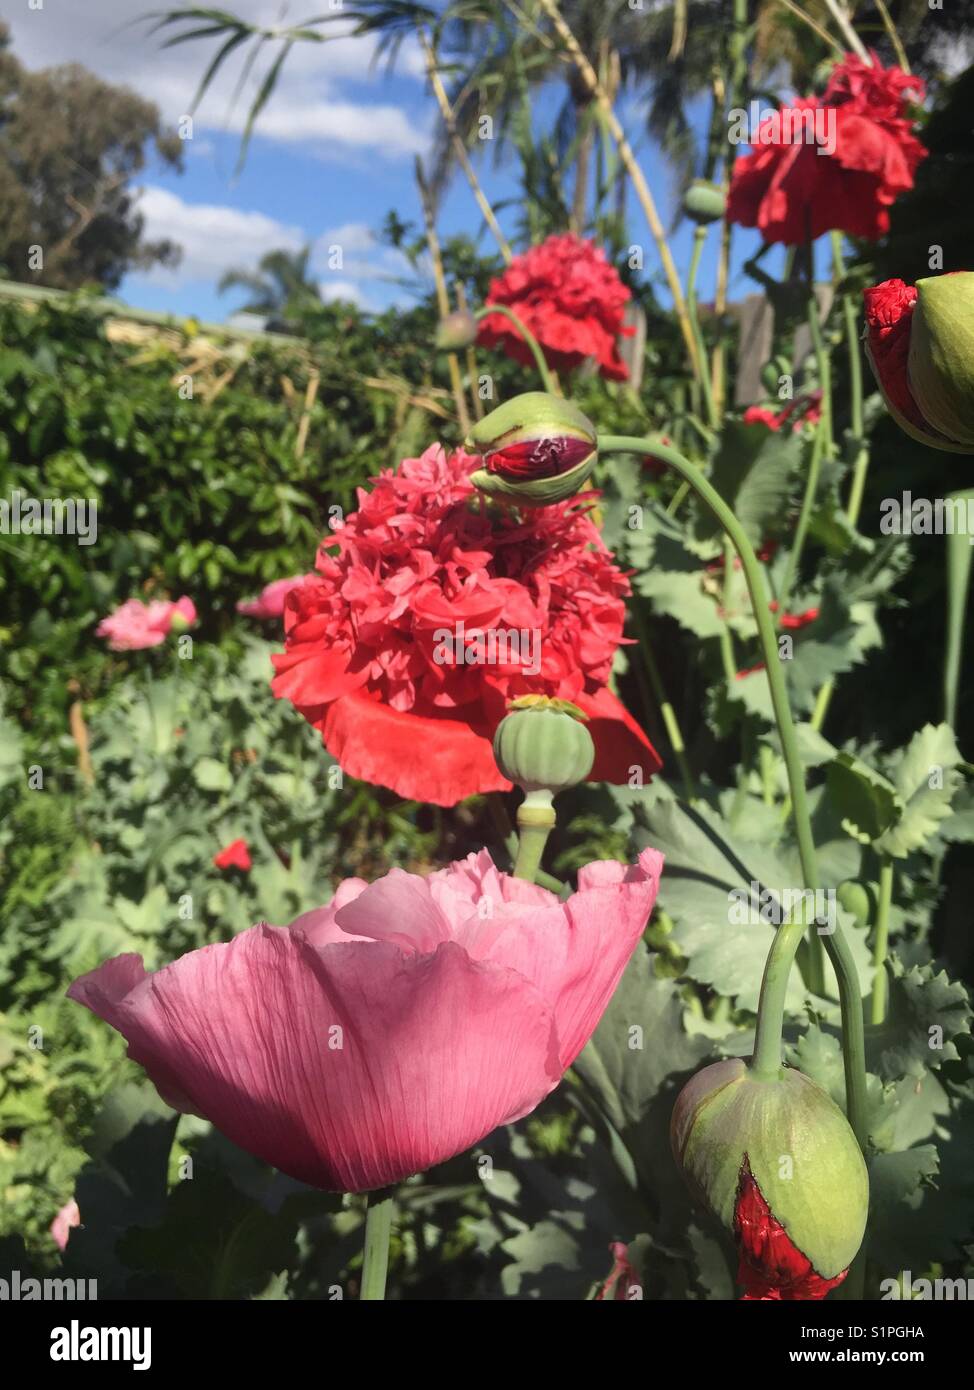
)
(539, 458)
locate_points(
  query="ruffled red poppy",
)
(571, 298)
(405, 647)
(796, 184)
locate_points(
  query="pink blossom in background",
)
(136, 625)
(390, 1030)
(236, 855)
(269, 603)
(67, 1218)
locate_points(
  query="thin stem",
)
(881, 942)
(459, 148)
(766, 1058)
(804, 520)
(672, 724)
(726, 638)
(464, 307)
(442, 296)
(706, 386)
(894, 37)
(375, 1261)
(531, 342)
(841, 16)
(813, 24)
(591, 80)
(836, 944)
(850, 319)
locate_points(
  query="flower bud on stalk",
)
(776, 1162)
(537, 449)
(704, 202)
(920, 345)
(456, 331)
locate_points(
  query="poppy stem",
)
(534, 347)
(535, 822)
(378, 1229)
(839, 951)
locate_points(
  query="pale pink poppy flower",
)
(269, 603)
(391, 1029)
(67, 1218)
(136, 625)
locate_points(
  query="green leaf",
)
(754, 470)
(865, 801)
(212, 776)
(926, 776)
(926, 1012)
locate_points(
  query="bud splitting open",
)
(537, 449)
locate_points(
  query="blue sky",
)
(332, 155)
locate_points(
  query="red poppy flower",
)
(806, 410)
(770, 1266)
(571, 298)
(236, 855)
(405, 647)
(838, 163)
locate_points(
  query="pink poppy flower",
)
(136, 625)
(393, 1028)
(269, 603)
(61, 1227)
(236, 855)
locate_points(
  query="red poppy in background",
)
(571, 298)
(236, 855)
(806, 410)
(793, 187)
(396, 650)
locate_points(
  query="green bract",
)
(941, 363)
(800, 1149)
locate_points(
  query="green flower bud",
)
(776, 1162)
(855, 897)
(537, 449)
(704, 202)
(543, 745)
(458, 330)
(941, 362)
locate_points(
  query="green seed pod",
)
(731, 1128)
(704, 202)
(537, 449)
(941, 361)
(543, 745)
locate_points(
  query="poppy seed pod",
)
(920, 345)
(543, 745)
(704, 202)
(776, 1162)
(537, 449)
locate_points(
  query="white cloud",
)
(310, 103)
(213, 237)
(344, 289)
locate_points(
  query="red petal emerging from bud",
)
(771, 1267)
(539, 458)
(889, 309)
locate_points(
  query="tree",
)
(279, 287)
(70, 146)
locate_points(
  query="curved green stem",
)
(378, 1229)
(532, 343)
(836, 944)
(878, 1010)
(766, 1058)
